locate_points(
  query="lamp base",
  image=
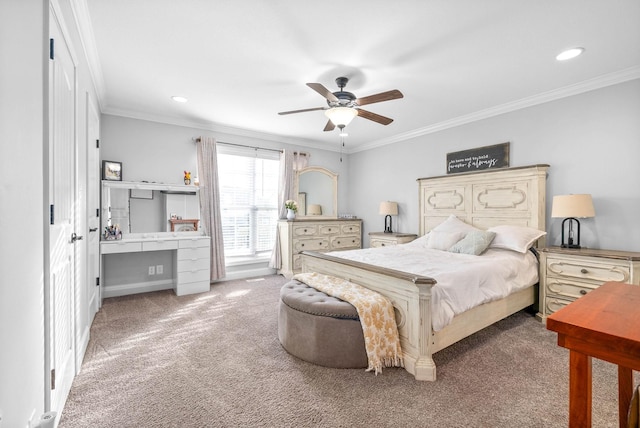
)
(387, 224)
(570, 246)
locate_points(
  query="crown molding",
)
(599, 82)
(223, 129)
(88, 41)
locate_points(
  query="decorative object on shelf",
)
(112, 233)
(570, 207)
(314, 209)
(187, 177)
(388, 209)
(292, 207)
(111, 171)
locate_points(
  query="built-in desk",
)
(190, 259)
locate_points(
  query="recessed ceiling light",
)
(179, 99)
(569, 53)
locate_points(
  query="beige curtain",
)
(290, 162)
(210, 203)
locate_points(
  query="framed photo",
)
(111, 171)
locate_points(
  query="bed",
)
(484, 200)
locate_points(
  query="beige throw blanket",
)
(376, 314)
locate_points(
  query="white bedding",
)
(463, 281)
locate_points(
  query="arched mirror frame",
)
(332, 181)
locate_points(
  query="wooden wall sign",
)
(488, 157)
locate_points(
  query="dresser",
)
(382, 239)
(322, 235)
(568, 274)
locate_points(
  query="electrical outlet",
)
(152, 270)
(159, 269)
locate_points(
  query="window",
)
(249, 202)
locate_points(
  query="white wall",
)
(591, 141)
(21, 211)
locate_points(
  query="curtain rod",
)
(197, 140)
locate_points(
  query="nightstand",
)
(568, 274)
(381, 239)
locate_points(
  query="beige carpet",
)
(214, 360)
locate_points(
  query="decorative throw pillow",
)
(515, 238)
(439, 240)
(454, 224)
(474, 243)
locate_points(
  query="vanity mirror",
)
(317, 190)
(143, 208)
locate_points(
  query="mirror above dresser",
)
(317, 190)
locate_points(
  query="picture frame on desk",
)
(111, 171)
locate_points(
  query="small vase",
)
(187, 181)
(291, 214)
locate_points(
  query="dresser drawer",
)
(160, 245)
(193, 253)
(311, 244)
(554, 304)
(568, 289)
(587, 270)
(308, 230)
(350, 229)
(193, 276)
(343, 242)
(329, 229)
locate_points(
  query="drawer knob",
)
(302, 245)
(305, 230)
(382, 244)
(583, 270)
(338, 242)
(583, 292)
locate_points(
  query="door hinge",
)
(51, 214)
(53, 378)
(97, 144)
(97, 281)
(51, 49)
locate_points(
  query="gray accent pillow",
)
(474, 243)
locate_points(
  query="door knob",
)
(75, 237)
(93, 229)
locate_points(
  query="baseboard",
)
(133, 288)
(248, 273)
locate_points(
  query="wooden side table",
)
(603, 324)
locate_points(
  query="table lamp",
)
(388, 209)
(570, 207)
(314, 209)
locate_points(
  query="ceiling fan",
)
(343, 106)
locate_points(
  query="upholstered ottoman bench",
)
(319, 328)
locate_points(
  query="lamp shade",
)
(388, 208)
(572, 206)
(314, 209)
(341, 116)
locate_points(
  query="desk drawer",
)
(193, 253)
(192, 265)
(120, 247)
(160, 245)
(195, 242)
(193, 276)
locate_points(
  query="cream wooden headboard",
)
(483, 199)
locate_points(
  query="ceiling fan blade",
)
(382, 96)
(319, 88)
(329, 126)
(303, 110)
(374, 117)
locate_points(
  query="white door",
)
(93, 208)
(62, 200)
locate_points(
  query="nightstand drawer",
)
(568, 289)
(376, 243)
(598, 272)
(553, 304)
(311, 244)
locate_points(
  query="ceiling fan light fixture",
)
(341, 116)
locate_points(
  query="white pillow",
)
(439, 240)
(474, 243)
(516, 238)
(454, 224)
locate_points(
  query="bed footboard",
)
(411, 298)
